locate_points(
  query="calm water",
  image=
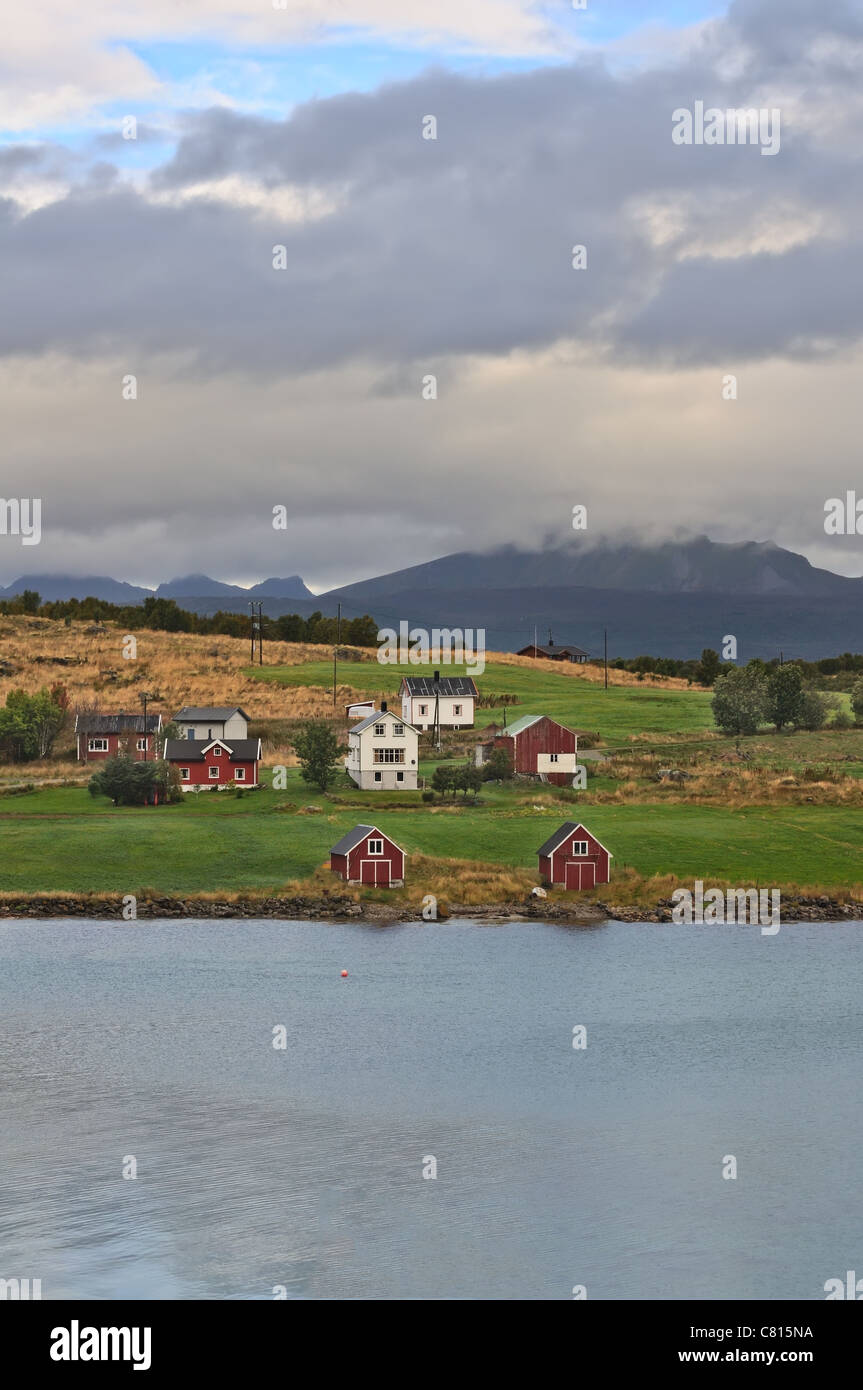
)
(556, 1167)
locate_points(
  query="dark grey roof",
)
(560, 834)
(355, 837)
(116, 723)
(447, 685)
(568, 828)
(375, 718)
(553, 650)
(191, 750)
(209, 712)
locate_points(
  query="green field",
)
(63, 839)
(618, 713)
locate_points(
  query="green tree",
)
(130, 783)
(317, 747)
(857, 700)
(739, 698)
(709, 667)
(785, 696)
(29, 724)
(497, 766)
(814, 709)
(444, 779)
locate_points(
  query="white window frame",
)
(214, 774)
(398, 730)
(400, 777)
(378, 776)
(184, 774)
(217, 751)
(375, 846)
(380, 730)
(142, 745)
(456, 709)
(552, 757)
(98, 745)
(580, 848)
(423, 709)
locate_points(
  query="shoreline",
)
(343, 908)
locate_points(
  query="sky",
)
(236, 276)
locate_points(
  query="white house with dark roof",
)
(212, 721)
(454, 697)
(383, 753)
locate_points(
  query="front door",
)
(376, 872)
(580, 875)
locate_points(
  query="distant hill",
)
(672, 599)
(293, 587)
(55, 588)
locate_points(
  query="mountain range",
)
(671, 599)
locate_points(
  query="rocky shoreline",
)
(339, 908)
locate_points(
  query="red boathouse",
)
(367, 855)
(573, 858)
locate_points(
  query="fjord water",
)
(303, 1167)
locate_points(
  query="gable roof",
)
(203, 712)
(192, 750)
(117, 724)
(375, 718)
(552, 650)
(568, 828)
(525, 722)
(446, 685)
(357, 835)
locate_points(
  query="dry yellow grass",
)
(181, 668)
(592, 671)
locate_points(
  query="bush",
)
(842, 720)
(428, 796)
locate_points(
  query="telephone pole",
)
(260, 634)
(605, 653)
(144, 697)
(336, 653)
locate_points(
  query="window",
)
(209, 733)
(218, 751)
(456, 709)
(579, 846)
(184, 774)
(424, 709)
(389, 755)
(214, 772)
(376, 846)
(240, 774)
(97, 745)
(190, 733)
(380, 730)
(378, 776)
(400, 777)
(552, 757)
(398, 730)
(142, 745)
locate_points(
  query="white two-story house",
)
(454, 698)
(382, 753)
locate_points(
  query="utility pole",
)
(437, 709)
(260, 634)
(605, 653)
(336, 653)
(252, 630)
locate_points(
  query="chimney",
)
(437, 676)
(383, 706)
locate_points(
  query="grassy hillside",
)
(63, 839)
(625, 710)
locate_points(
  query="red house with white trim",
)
(538, 747)
(103, 736)
(573, 858)
(367, 855)
(214, 764)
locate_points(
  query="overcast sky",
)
(405, 257)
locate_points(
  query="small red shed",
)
(538, 747)
(574, 859)
(367, 855)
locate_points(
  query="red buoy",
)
(344, 974)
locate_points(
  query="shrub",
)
(428, 796)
